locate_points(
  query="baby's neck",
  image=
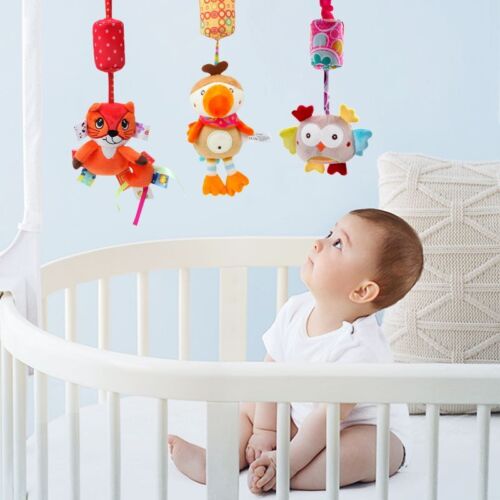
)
(324, 318)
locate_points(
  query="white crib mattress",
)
(457, 459)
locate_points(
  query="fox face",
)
(111, 124)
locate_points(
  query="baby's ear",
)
(366, 292)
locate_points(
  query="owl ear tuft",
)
(348, 114)
(303, 112)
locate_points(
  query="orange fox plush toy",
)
(110, 126)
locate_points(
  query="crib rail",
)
(237, 381)
(173, 254)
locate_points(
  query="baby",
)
(367, 262)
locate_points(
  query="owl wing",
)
(361, 137)
(288, 135)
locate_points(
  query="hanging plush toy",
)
(218, 133)
(111, 125)
(326, 142)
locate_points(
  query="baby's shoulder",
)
(297, 303)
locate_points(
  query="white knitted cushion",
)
(452, 315)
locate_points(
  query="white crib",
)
(221, 384)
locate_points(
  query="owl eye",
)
(99, 123)
(310, 134)
(202, 92)
(124, 124)
(332, 136)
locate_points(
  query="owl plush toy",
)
(325, 140)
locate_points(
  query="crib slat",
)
(20, 370)
(233, 314)
(73, 419)
(70, 314)
(183, 294)
(382, 475)
(282, 452)
(103, 321)
(281, 287)
(432, 417)
(333, 451)
(162, 422)
(41, 432)
(483, 421)
(72, 399)
(142, 314)
(7, 426)
(114, 445)
(222, 466)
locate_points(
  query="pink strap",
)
(326, 9)
(141, 205)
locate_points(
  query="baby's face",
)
(341, 260)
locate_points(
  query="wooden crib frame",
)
(222, 384)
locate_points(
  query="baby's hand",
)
(263, 470)
(260, 441)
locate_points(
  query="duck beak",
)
(218, 101)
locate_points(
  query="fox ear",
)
(130, 106)
(95, 106)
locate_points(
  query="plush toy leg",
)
(319, 167)
(212, 184)
(235, 180)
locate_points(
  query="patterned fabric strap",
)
(326, 9)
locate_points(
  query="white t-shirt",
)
(359, 342)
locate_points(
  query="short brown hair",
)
(401, 257)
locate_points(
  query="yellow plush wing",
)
(288, 135)
(348, 114)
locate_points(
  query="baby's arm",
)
(264, 428)
(311, 437)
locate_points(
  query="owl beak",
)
(320, 146)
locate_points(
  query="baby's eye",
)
(328, 235)
(338, 244)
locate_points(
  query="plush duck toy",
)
(217, 135)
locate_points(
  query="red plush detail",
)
(109, 45)
(333, 168)
(73, 151)
(148, 157)
(303, 112)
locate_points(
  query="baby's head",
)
(369, 260)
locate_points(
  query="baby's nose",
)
(317, 245)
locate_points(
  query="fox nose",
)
(320, 146)
(112, 133)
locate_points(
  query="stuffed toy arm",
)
(194, 130)
(82, 155)
(244, 129)
(132, 155)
